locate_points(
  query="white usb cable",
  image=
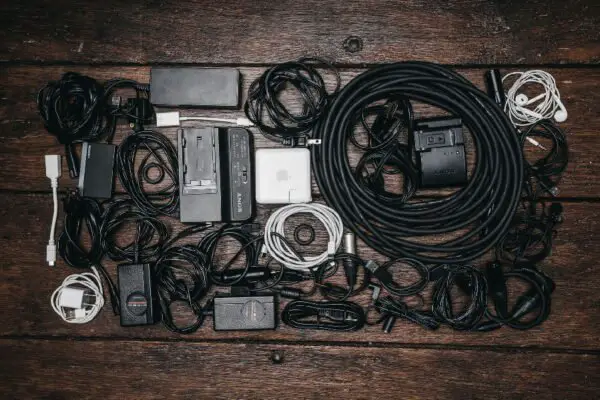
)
(172, 118)
(79, 298)
(53, 172)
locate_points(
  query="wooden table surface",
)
(43, 357)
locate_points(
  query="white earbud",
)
(561, 115)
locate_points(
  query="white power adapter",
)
(283, 176)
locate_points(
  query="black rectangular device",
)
(96, 175)
(195, 87)
(440, 150)
(244, 312)
(215, 174)
(136, 295)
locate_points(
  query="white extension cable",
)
(70, 299)
(281, 252)
(524, 111)
(173, 118)
(53, 172)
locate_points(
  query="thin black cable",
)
(265, 109)
(342, 316)
(73, 110)
(80, 213)
(139, 111)
(487, 202)
(389, 306)
(150, 235)
(334, 292)
(156, 150)
(249, 246)
(473, 283)
(410, 289)
(181, 276)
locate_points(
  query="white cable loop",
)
(547, 103)
(86, 280)
(281, 252)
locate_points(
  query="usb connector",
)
(53, 172)
(174, 119)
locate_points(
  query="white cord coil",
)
(521, 109)
(85, 285)
(281, 252)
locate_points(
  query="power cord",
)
(181, 276)
(53, 172)
(157, 154)
(392, 309)
(284, 253)
(385, 277)
(73, 110)
(266, 111)
(79, 298)
(342, 316)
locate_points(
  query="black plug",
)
(497, 288)
(382, 274)
(531, 299)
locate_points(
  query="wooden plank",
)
(24, 140)
(27, 284)
(451, 32)
(126, 369)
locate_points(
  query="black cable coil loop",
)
(410, 289)
(159, 153)
(473, 283)
(486, 204)
(342, 316)
(85, 212)
(265, 109)
(249, 247)
(149, 238)
(181, 276)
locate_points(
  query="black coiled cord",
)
(249, 247)
(73, 110)
(394, 308)
(149, 238)
(342, 316)
(181, 276)
(265, 109)
(473, 283)
(157, 153)
(85, 212)
(487, 203)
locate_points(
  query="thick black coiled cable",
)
(473, 283)
(85, 212)
(265, 109)
(486, 204)
(181, 276)
(156, 152)
(74, 110)
(149, 237)
(341, 316)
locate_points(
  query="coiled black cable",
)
(73, 109)
(391, 307)
(338, 293)
(158, 153)
(249, 247)
(545, 172)
(342, 316)
(487, 202)
(473, 283)
(265, 109)
(149, 238)
(85, 212)
(181, 276)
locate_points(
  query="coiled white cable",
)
(91, 283)
(280, 250)
(520, 108)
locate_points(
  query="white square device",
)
(283, 176)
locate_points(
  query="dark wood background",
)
(43, 357)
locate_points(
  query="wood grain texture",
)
(125, 369)
(240, 32)
(27, 284)
(24, 141)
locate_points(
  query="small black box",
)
(232, 313)
(135, 295)
(96, 176)
(195, 87)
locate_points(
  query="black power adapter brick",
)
(233, 313)
(96, 176)
(136, 296)
(440, 151)
(215, 174)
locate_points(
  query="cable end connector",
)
(382, 274)
(53, 168)
(51, 254)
